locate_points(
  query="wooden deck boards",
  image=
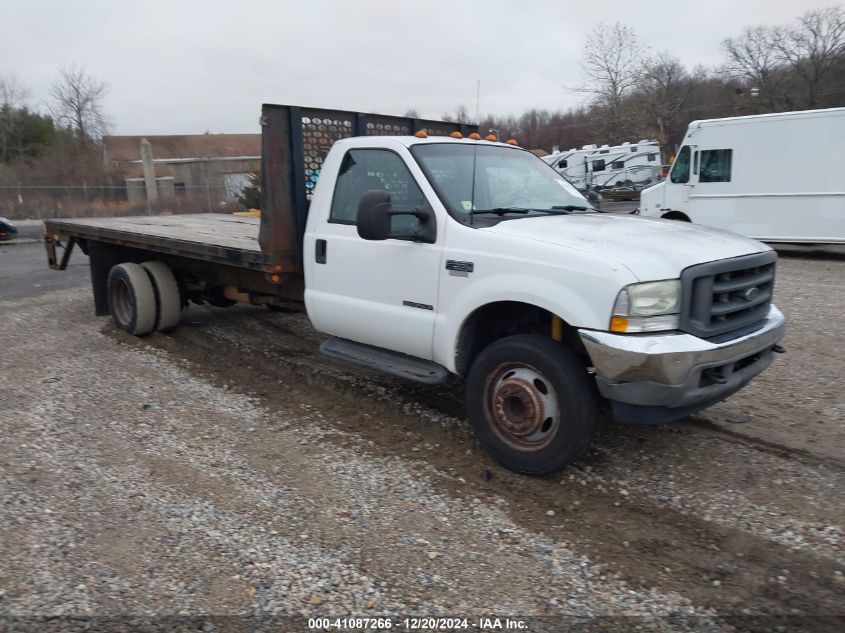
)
(207, 229)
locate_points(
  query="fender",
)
(571, 302)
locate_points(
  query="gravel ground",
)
(228, 469)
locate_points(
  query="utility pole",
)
(149, 173)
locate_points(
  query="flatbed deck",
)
(215, 237)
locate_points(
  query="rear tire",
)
(132, 301)
(168, 298)
(531, 404)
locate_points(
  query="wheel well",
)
(675, 215)
(494, 321)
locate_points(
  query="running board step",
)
(386, 361)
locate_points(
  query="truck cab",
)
(430, 257)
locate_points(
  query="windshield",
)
(505, 179)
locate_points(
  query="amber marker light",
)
(456, 134)
(511, 141)
(421, 134)
(491, 137)
(475, 136)
(618, 324)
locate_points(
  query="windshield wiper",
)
(500, 210)
(569, 207)
(556, 209)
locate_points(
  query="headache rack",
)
(294, 142)
(724, 296)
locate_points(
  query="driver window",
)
(363, 170)
(680, 170)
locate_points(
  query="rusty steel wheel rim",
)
(122, 304)
(522, 406)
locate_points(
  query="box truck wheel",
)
(675, 215)
(531, 404)
(132, 301)
(168, 299)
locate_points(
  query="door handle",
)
(320, 252)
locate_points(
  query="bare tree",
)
(460, 115)
(77, 102)
(754, 58)
(665, 90)
(814, 49)
(412, 113)
(613, 64)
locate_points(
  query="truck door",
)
(682, 179)
(382, 293)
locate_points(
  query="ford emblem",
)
(750, 293)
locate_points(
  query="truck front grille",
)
(727, 295)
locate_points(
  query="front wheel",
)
(675, 215)
(531, 404)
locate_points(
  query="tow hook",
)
(777, 349)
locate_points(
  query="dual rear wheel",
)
(144, 297)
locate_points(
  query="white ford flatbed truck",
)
(427, 253)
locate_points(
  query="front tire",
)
(132, 301)
(531, 404)
(675, 215)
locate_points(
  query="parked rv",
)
(774, 177)
(596, 168)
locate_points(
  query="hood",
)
(652, 195)
(650, 248)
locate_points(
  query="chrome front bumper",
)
(653, 378)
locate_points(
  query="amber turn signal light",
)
(618, 324)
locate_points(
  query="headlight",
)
(647, 307)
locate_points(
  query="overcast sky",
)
(175, 66)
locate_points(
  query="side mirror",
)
(375, 213)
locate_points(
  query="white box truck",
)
(773, 177)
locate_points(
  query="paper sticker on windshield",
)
(466, 204)
(569, 188)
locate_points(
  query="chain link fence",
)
(67, 201)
